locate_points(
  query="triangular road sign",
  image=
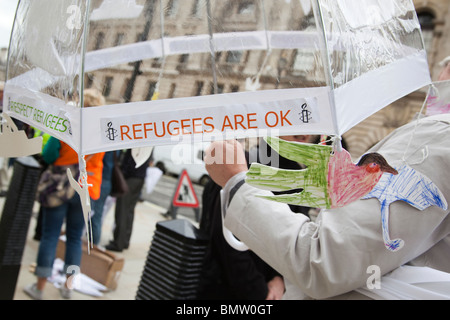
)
(185, 194)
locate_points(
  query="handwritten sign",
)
(38, 110)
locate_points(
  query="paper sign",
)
(40, 111)
(15, 143)
(410, 186)
(331, 180)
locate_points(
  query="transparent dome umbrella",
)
(200, 70)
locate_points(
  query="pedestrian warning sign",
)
(185, 194)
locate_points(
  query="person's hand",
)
(276, 288)
(224, 159)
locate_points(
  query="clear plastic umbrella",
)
(202, 70)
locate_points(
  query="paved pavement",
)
(146, 217)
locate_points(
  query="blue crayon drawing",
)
(410, 186)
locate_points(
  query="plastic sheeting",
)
(208, 69)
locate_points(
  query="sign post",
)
(184, 196)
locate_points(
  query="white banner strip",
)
(213, 121)
(365, 95)
(37, 79)
(43, 112)
(34, 80)
(206, 118)
(203, 118)
(232, 41)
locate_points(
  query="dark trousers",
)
(124, 213)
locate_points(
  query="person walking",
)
(98, 205)
(126, 204)
(61, 156)
(229, 274)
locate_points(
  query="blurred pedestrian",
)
(4, 177)
(125, 205)
(94, 97)
(233, 274)
(229, 274)
(2, 88)
(61, 156)
(44, 166)
(97, 207)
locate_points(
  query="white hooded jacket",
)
(337, 255)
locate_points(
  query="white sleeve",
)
(332, 255)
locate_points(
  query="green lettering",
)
(46, 119)
(64, 125)
(30, 111)
(38, 115)
(58, 123)
(53, 123)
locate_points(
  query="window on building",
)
(234, 88)
(246, 7)
(234, 56)
(427, 24)
(151, 90)
(119, 39)
(308, 22)
(172, 8)
(183, 58)
(126, 83)
(220, 88)
(89, 80)
(304, 62)
(197, 8)
(99, 40)
(107, 86)
(157, 62)
(198, 88)
(173, 87)
(139, 37)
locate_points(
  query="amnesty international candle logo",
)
(305, 114)
(111, 133)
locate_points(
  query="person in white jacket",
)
(339, 254)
